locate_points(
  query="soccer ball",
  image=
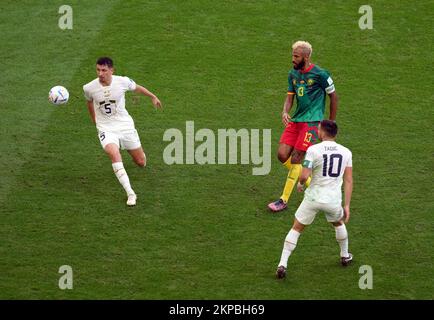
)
(58, 95)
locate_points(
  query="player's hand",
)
(286, 119)
(157, 103)
(347, 214)
(300, 187)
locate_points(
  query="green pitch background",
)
(203, 232)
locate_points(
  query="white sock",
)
(289, 246)
(342, 238)
(121, 174)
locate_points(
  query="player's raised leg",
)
(130, 141)
(291, 181)
(112, 151)
(293, 174)
(284, 155)
(307, 135)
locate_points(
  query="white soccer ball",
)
(58, 95)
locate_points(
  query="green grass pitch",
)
(203, 232)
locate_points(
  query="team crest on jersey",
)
(108, 107)
(310, 82)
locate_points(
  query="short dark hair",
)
(330, 127)
(105, 61)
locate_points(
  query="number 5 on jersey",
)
(102, 136)
(108, 107)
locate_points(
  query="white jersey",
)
(109, 103)
(328, 161)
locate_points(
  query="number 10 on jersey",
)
(329, 165)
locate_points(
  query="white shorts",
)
(125, 139)
(308, 210)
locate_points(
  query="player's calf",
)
(121, 174)
(138, 156)
(140, 162)
(342, 239)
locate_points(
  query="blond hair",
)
(305, 46)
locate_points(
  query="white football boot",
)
(131, 200)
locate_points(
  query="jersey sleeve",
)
(308, 159)
(130, 85)
(326, 82)
(350, 160)
(87, 94)
(290, 85)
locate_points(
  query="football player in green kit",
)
(309, 84)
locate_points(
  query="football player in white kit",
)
(330, 164)
(106, 103)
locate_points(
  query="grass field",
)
(203, 232)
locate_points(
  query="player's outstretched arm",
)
(348, 189)
(91, 110)
(155, 101)
(333, 105)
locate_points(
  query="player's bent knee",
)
(298, 226)
(284, 152)
(282, 156)
(337, 223)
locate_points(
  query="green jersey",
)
(310, 87)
